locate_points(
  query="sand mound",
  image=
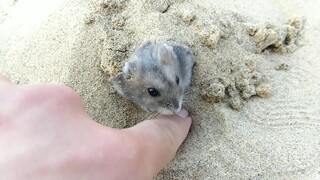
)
(255, 90)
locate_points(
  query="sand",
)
(256, 85)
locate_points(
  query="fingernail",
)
(183, 113)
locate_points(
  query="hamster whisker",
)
(156, 114)
(184, 100)
(148, 115)
(152, 115)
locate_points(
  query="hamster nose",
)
(177, 110)
(175, 106)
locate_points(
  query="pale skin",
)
(45, 133)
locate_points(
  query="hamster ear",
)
(166, 55)
(129, 69)
(118, 83)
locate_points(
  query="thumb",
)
(159, 139)
(4, 81)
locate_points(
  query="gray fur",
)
(156, 66)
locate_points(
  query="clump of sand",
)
(255, 89)
(281, 39)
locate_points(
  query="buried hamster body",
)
(156, 77)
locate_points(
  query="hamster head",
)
(151, 79)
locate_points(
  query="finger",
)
(159, 139)
(4, 80)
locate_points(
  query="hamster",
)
(156, 77)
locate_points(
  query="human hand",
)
(45, 133)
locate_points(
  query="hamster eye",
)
(177, 80)
(153, 92)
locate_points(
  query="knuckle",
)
(64, 92)
(49, 93)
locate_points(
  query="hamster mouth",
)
(176, 110)
(168, 111)
(165, 111)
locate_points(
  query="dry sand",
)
(256, 86)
